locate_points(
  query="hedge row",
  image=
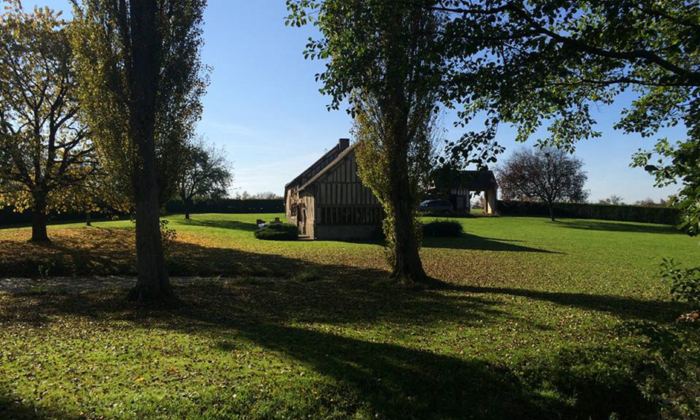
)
(659, 215)
(229, 206)
(9, 217)
(443, 228)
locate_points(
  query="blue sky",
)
(263, 106)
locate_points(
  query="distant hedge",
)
(9, 217)
(659, 215)
(229, 206)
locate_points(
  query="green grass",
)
(532, 321)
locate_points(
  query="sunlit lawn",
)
(532, 322)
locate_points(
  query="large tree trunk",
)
(39, 219)
(153, 282)
(408, 267)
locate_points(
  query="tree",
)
(649, 202)
(207, 175)
(243, 196)
(382, 59)
(614, 200)
(141, 82)
(549, 175)
(46, 156)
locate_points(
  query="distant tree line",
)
(245, 195)
(647, 202)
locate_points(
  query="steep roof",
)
(323, 165)
(328, 167)
(478, 180)
(447, 178)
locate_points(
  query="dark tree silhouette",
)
(549, 175)
(206, 175)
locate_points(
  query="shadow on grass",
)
(219, 224)
(337, 295)
(405, 383)
(396, 382)
(72, 252)
(13, 409)
(375, 376)
(478, 243)
(625, 308)
(616, 226)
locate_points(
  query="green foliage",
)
(545, 65)
(442, 228)
(684, 283)
(673, 374)
(677, 162)
(103, 60)
(623, 213)
(168, 236)
(278, 232)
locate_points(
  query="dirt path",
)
(15, 285)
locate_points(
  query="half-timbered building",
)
(329, 201)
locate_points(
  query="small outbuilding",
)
(328, 200)
(461, 186)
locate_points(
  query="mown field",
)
(532, 320)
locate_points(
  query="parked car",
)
(436, 206)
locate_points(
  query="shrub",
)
(684, 283)
(673, 377)
(442, 228)
(278, 232)
(168, 236)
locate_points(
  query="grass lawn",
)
(536, 320)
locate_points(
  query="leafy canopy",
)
(207, 174)
(103, 58)
(46, 157)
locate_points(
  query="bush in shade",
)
(278, 232)
(442, 228)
